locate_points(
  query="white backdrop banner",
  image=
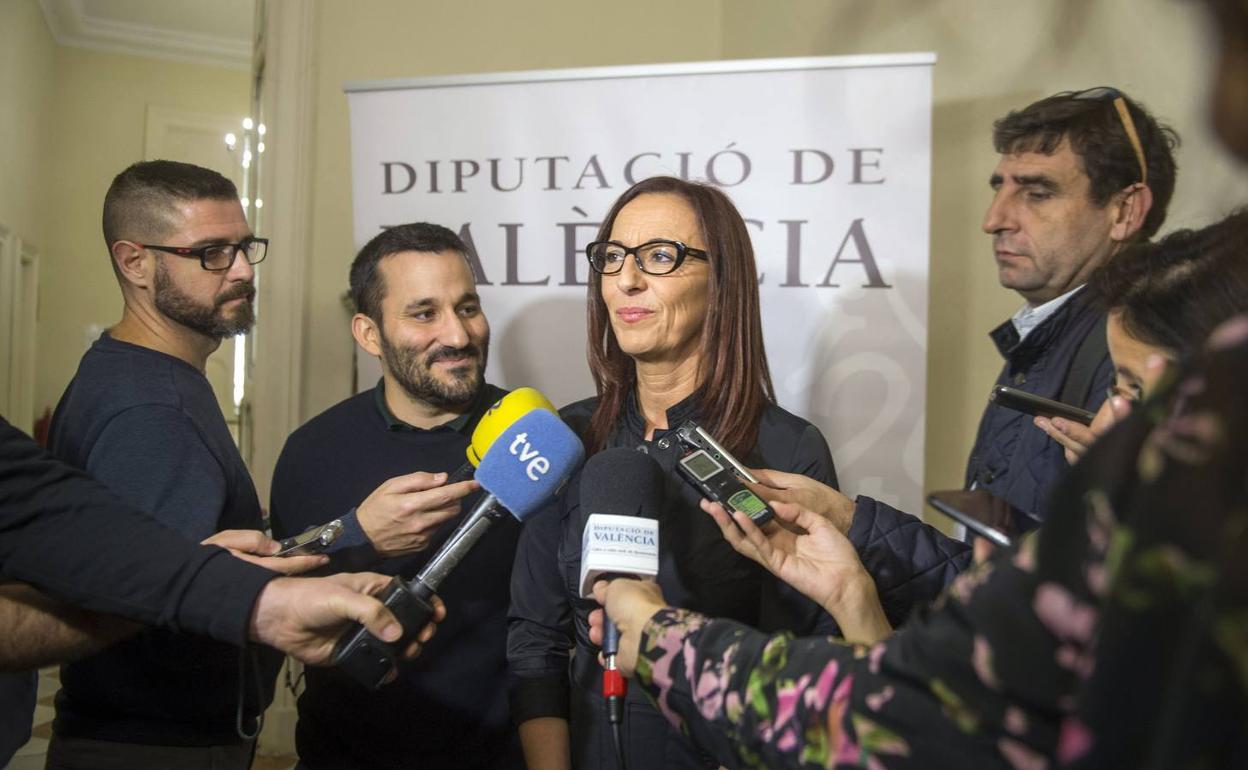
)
(828, 159)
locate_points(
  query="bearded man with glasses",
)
(1081, 175)
(141, 417)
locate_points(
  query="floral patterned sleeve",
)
(1115, 637)
(929, 697)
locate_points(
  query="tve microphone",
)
(525, 467)
(496, 419)
(621, 495)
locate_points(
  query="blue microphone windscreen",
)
(529, 462)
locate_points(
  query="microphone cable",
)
(614, 686)
(245, 655)
(619, 745)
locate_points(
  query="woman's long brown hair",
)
(734, 381)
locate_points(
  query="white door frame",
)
(287, 103)
(19, 309)
(7, 278)
(282, 71)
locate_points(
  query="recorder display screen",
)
(701, 465)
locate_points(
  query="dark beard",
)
(415, 375)
(208, 321)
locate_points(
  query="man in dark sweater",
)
(1081, 176)
(419, 313)
(141, 417)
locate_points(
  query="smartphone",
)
(717, 482)
(1030, 403)
(984, 513)
(312, 541)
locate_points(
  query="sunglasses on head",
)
(1104, 93)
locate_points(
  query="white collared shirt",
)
(1028, 317)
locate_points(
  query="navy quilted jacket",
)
(1012, 458)
(911, 562)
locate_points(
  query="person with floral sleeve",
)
(1118, 636)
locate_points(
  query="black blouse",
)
(548, 645)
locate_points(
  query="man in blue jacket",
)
(1082, 175)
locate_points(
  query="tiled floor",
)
(31, 756)
(273, 763)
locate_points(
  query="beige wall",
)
(27, 72)
(70, 119)
(98, 119)
(992, 57)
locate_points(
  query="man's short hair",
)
(368, 288)
(1097, 136)
(140, 201)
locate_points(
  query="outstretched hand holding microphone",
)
(526, 461)
(405, 513)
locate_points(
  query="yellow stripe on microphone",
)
(502, 414)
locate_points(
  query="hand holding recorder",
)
(1030, 403)
(402, 515)
(813, 556)
(806, 493)
(719, 476)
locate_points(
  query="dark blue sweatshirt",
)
(148, 426)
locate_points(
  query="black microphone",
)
(622, 493)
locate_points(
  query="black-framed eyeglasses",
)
(1105, 93)
(218, 256)
(657, 256)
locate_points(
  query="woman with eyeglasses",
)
(1164, 299)
(675, 335)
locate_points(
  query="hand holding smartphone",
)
(984, 513)
(1030, 403)
(314, 540)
